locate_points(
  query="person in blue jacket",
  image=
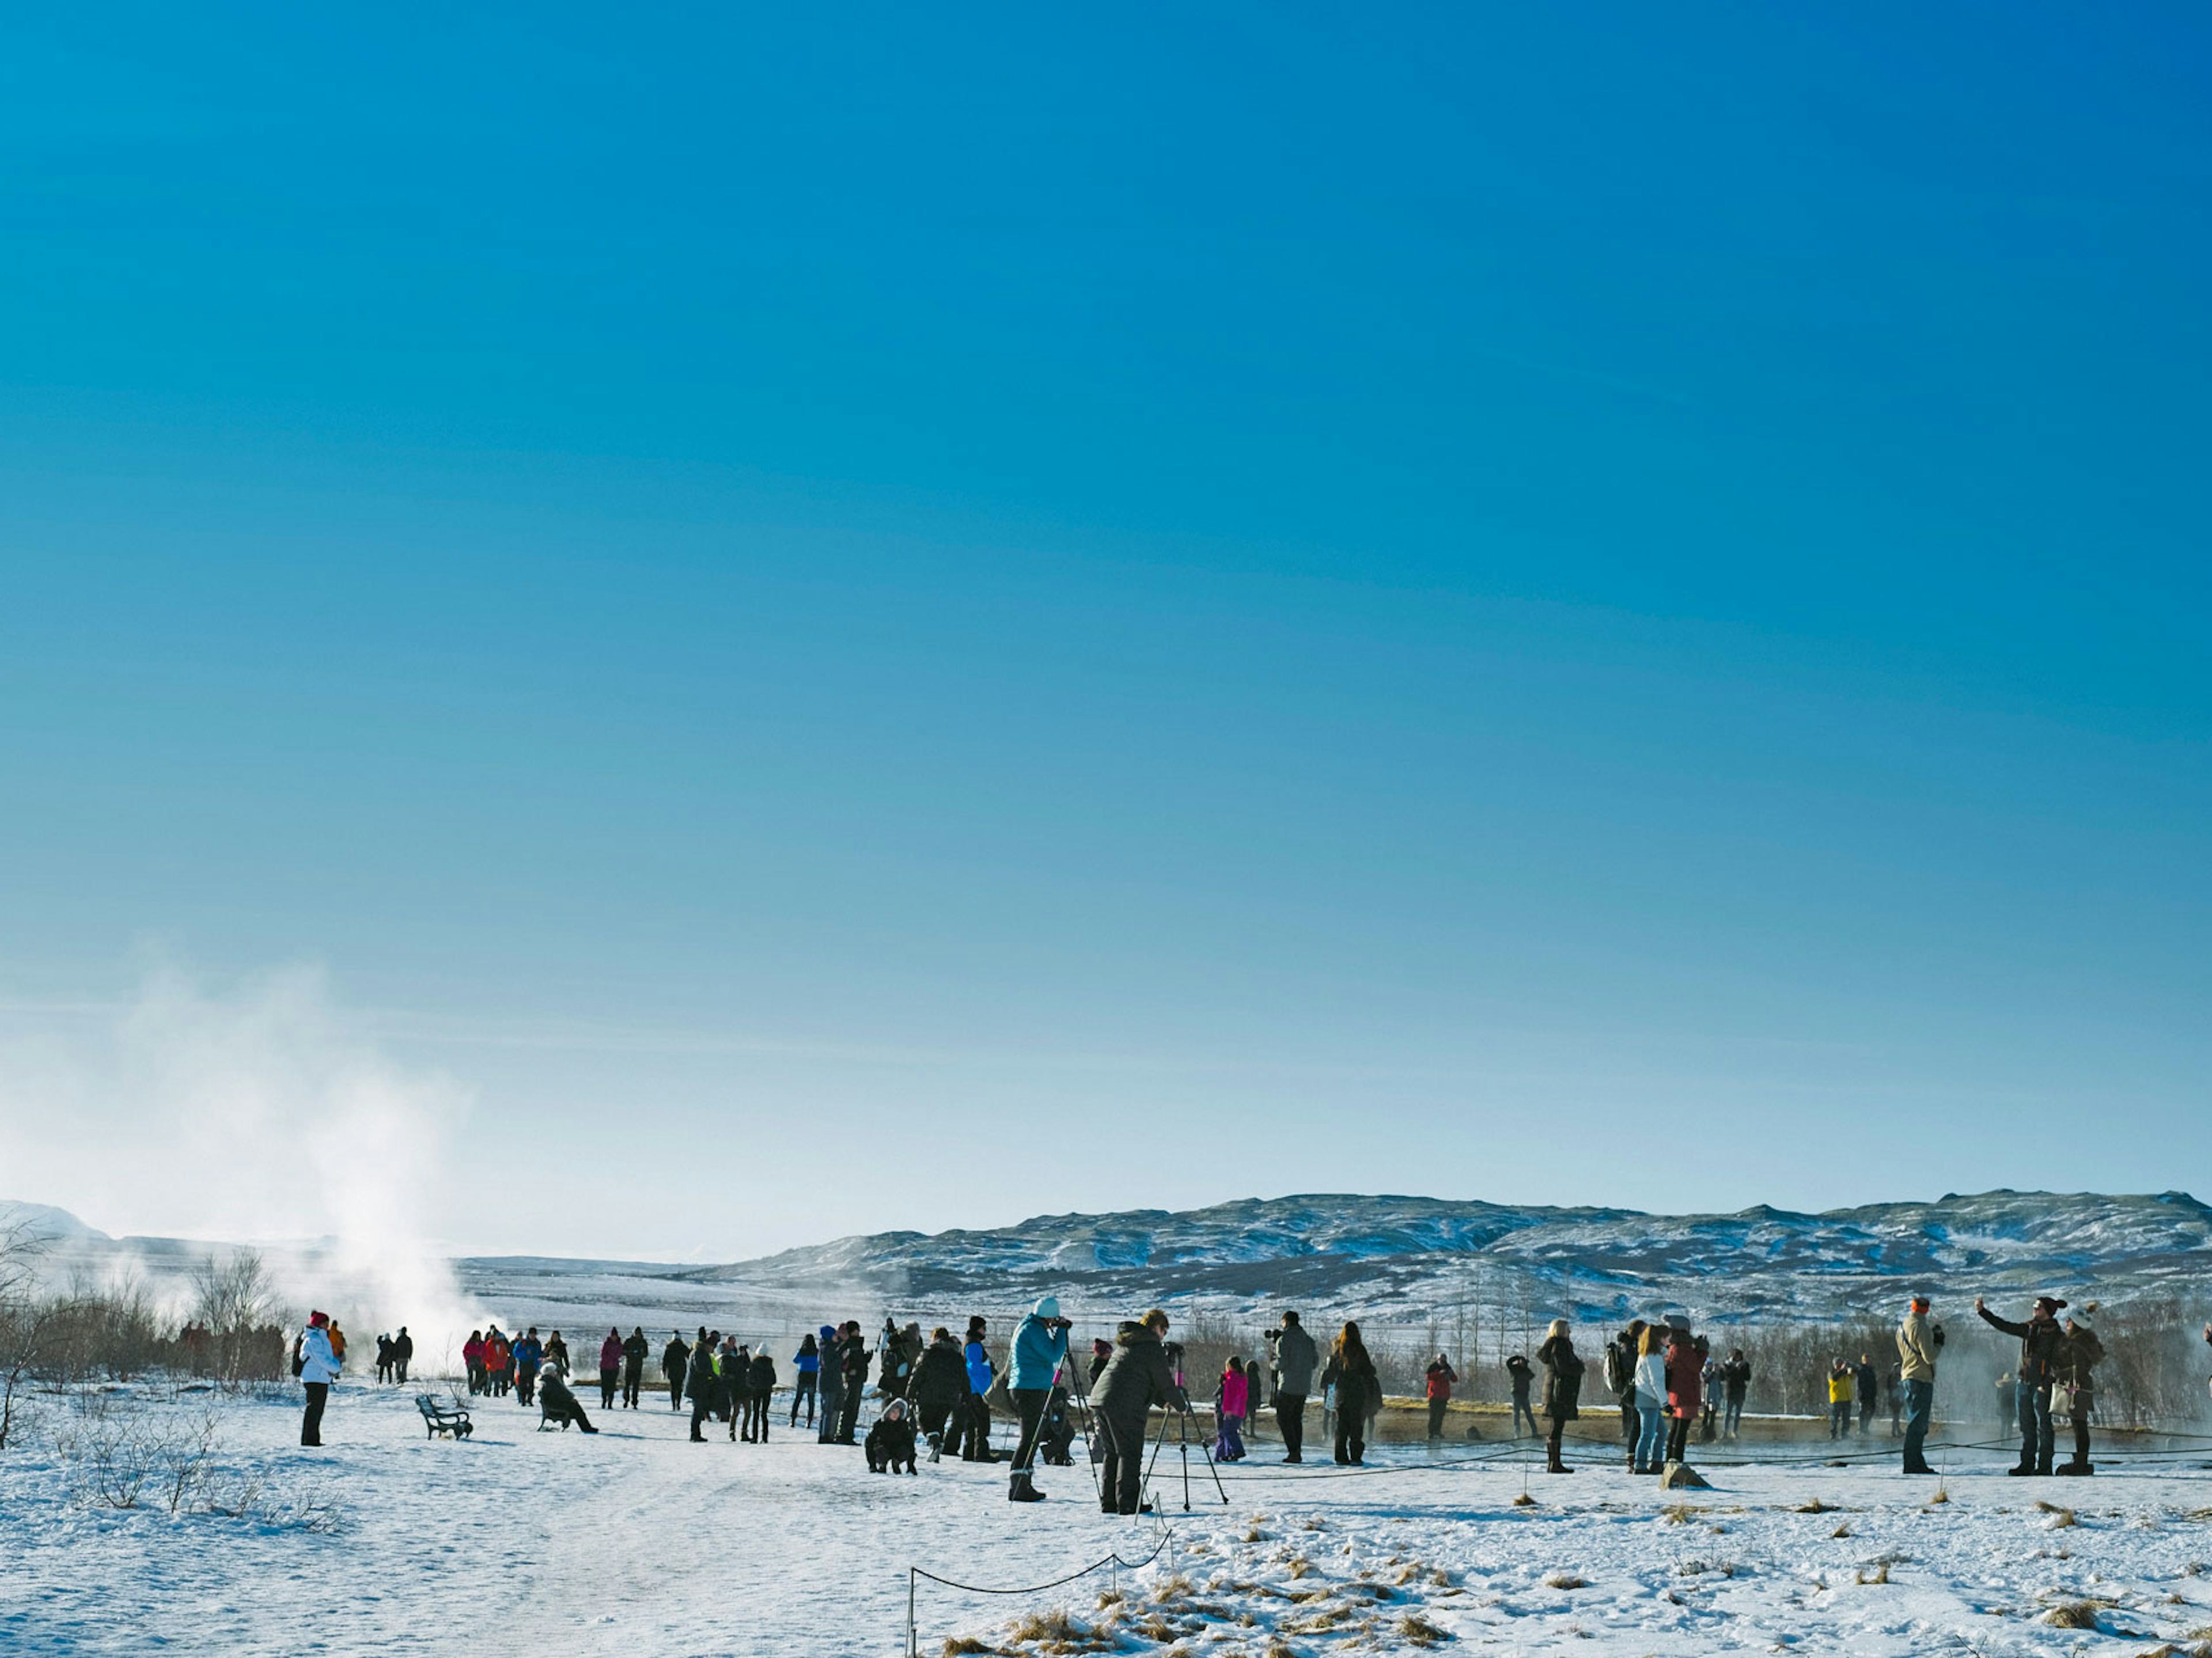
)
(808, 1361)
(1040, 1349)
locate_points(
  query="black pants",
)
(1030, 1403)
(760, 1418)
(849, 1415)
(633, 1380)
(1631, 1425)
(606, 1389)
(976, 1436)
(1351, 1428)
(832, 1405)
(1122, 1475)
(2081, 1428)
(1291, 1423)
(1678, 1437)
(572, 1412)
(803, 1389)
(702, 1406)
(311, 1421)
(526, 1385)
(676, 1391)
(931, 1414)
(1520, 1409)
(1551, 1442)
(400, 1364)
(1436, 1418)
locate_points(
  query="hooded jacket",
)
(830, 1351)
(1137, 1377)
(673, 1357)
(2077, 1357)
(610, 1352)
(940, 1378)
(1039, 1347)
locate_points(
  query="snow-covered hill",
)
(1396, 1259)
(1400, 1256)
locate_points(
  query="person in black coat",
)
(1518, 1371)
(763, 1385)
(634, 1352)
(699, 1382)
(856, 1359)
(1352, 1373)
(738, 1389)
(1139, 1376)
(1563, 1389)
(556, 1404)
(940, 1388)
(890, 1442)
(673, 1357)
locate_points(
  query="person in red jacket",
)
(498, 1362)
(1686, 1386)
(610, 1359)
(1440, 1377)
(472, 1356)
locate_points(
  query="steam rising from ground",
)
(252, 1110)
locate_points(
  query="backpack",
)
(299, 1354)
(1620, 1375)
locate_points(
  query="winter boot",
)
(2043, 1467)
(2075, 1468)
(936, 1449)
(1558, 1467)
(1019, 1489)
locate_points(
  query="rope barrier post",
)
(911, 1651)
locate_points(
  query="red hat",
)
(316, 1319)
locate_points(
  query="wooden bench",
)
(449, 1416)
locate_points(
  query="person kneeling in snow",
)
(557, 1403)
(890, 1442)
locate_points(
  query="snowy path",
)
(637, 1542)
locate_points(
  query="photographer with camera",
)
(1040, 1349)
(1141, 1374)
(1295, 1359)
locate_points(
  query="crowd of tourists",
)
(935, 1394)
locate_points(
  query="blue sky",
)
(909, 620)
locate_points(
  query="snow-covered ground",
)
(635, 1541)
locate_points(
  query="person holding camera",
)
(1296, 1358)
(1140, 1374)
(1919, 1342)
(1040, 1349)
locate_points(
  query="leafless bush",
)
(234, 1334)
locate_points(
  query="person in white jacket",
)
(1651, 1400)
(318, 1367)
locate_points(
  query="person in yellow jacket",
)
(1840, 1395)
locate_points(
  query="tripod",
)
(1185, 1419)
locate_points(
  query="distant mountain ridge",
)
(1400, 1260)
(1395, 1254)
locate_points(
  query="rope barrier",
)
(1163, 1537)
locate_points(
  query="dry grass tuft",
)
(1816, 1506)
(1564, 1580)
(1942, 1496)
(1680, 1513)
(2072, 1614)
(2060, 1518)
(1524, 1501)
(1301, 1567)
(1880, 1573)
(1418, 1632)
(963, 1646)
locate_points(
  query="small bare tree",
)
(233, 1304)
(25, 1320)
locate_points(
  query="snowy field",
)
(636, 1541)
